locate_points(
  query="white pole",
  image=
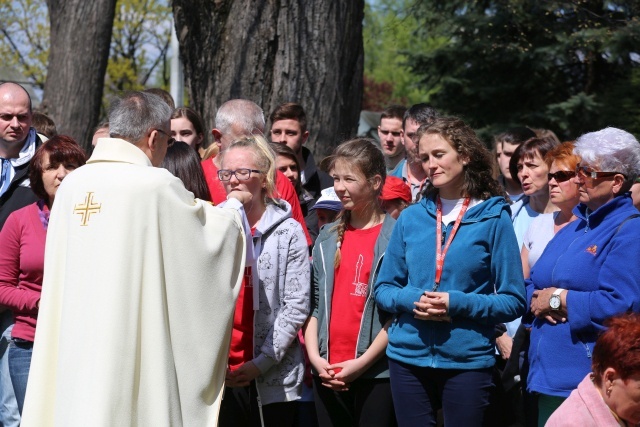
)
(177, 78)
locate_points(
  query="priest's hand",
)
(242, 376)
(243, 197)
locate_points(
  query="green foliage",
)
(390, 34)
(24, 41)
(139, 44)
(550, 64)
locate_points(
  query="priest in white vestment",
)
(140, 281)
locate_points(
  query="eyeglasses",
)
(561, 176)
(241, 174)
(587, 172)
(171, 139)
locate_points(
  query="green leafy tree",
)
(24, 45)
(390, 34)
(139, 42)
(141, 37)
(552, 64)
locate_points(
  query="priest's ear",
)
(153, 147)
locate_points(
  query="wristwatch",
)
(555, 302)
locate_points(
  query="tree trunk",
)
(80, 40)
(276, 51)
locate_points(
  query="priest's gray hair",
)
(244, 114)
(610, 150)
(135, 114)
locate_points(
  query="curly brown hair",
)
(478, 178)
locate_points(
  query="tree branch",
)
(22, 60)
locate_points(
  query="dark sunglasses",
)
(561, 176)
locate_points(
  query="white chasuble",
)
(140, 282)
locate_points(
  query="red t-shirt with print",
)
(350, 291)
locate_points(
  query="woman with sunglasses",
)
(588, 271)
(563, 193)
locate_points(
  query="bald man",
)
(18, 143)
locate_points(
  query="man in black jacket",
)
(18, 143)
(289, 126)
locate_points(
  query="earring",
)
(609, 391)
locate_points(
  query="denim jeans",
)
(19, 362)
(9, 414)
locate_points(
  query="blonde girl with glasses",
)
(266, 365)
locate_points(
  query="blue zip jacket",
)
(373, 319)
(482, 274)
(596, 259)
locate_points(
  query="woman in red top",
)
(22, 252)
(346, 334)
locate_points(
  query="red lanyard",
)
(440, 253)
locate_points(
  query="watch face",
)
(554, 302)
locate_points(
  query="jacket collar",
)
(118, 150)
(273, 215)
(594, 218)
(310, 167)
(489, 208)
(27, 151)
(327, 234)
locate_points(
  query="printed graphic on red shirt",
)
(350, 291)
(360, 287)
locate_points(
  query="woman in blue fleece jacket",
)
(588, 272)
(441, 341)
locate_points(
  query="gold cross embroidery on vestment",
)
(87, 208)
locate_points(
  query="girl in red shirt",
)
(346, 334)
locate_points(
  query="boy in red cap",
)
(395, 196)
